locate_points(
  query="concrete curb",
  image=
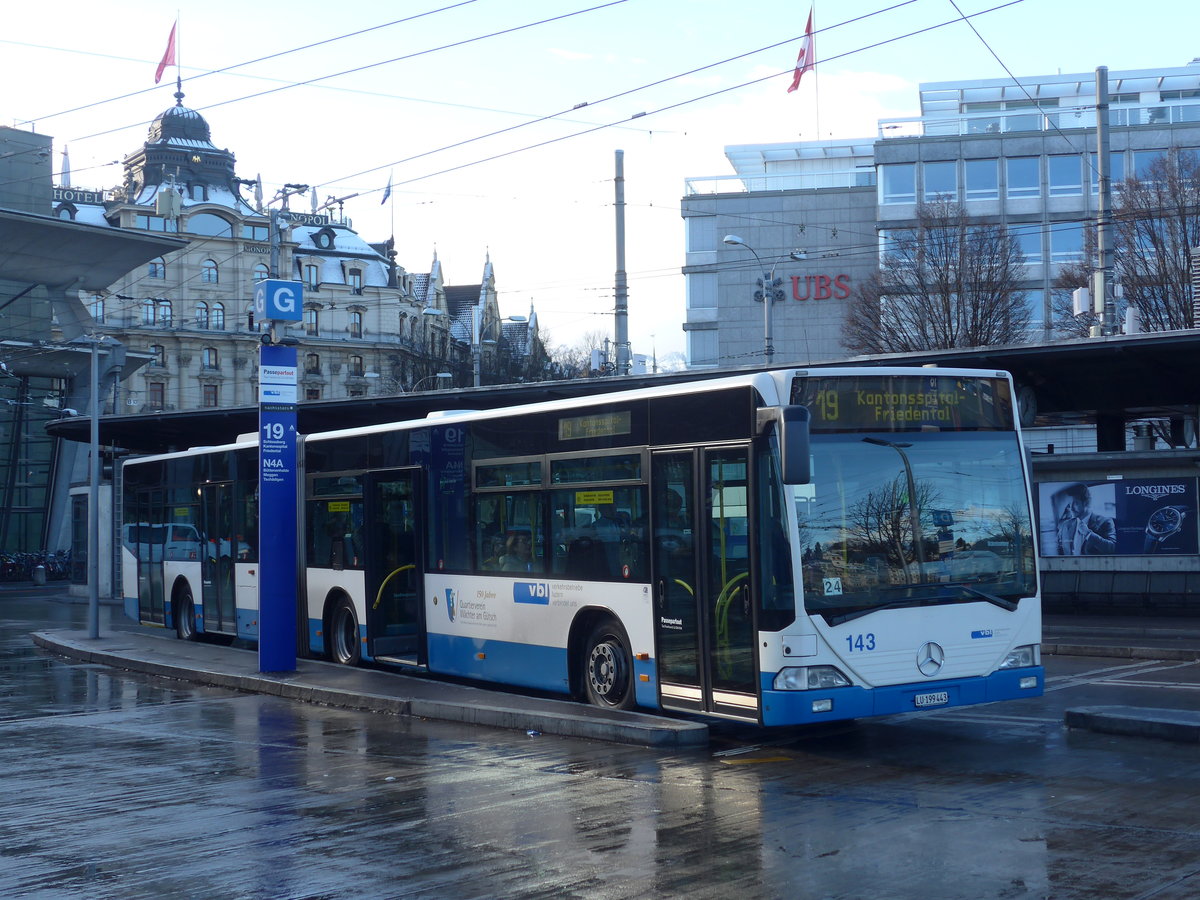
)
(468, 705)
(1180, 725)
(1181, 654)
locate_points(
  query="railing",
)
(1051, 119)
(784, 181)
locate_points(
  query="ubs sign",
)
(820, 287)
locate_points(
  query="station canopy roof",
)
(1135, 376)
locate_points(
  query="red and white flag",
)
(804, 59)
(168, 57)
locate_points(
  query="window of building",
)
(356, 280)
(941, 179)
(218, 316)
(898, 183)
(1066, 242)
(97, 309)
(209, 225)
(160, 356)
(211, 358)
(356, 366)
(356, 324)
(164, 313)
(312, 393)
(1065, 175)
(255, 232)
(312, 364)
(155, 223)
(1024, 179)
(156, 268)
(312, 277)
(1037, 308)
(261, 272)
(147, 312)
(209, 273)
(66, 212)
(1116, 170)
(312, 321)
(1143, 160)
(982, 177)
(357, 392)
(156, 394)
(197, 192)
(212, 396)
(201, 314)
(1029, 240)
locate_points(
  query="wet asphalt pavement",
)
(129, 786)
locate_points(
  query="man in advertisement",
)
(1081, 531)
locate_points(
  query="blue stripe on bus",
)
(523, 665)
(795, 707)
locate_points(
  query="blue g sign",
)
(279, 300)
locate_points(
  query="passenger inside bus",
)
(518, 553)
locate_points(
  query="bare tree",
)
(944, 283)
(1156, 224)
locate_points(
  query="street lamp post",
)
(913, 510)
(769, 292)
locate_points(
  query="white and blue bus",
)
(779, 548)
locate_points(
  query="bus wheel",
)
(185, 615)
(608, 667)
(345, 646)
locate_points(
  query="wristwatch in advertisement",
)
(1162, 524)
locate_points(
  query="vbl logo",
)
(531, 592)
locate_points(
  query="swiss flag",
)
(168, 57)
(804, 59)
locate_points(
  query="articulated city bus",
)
(779, 548)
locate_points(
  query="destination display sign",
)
(872, 402)
(594, 426)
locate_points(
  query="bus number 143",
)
(860, 642)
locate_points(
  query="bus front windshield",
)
(895, 520)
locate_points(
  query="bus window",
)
(510, 532)
(334, 538)
(600, 535)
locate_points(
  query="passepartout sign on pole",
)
(278, 585)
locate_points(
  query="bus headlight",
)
(809, 678)
(1023, 657)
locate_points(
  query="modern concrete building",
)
(1020, 154)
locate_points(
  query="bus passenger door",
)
(143, 535)
(701, 582)
(395, 613)
(218, 552)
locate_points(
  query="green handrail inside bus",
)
(724, 664)
(383, 584)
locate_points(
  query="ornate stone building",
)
(370, 327)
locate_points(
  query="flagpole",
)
(816, 78)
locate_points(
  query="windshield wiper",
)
(922, 600)
(842, 618)
(1002, 602)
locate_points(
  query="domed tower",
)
(179, 148)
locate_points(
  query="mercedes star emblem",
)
(930, 658)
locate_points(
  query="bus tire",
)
(608, 667)
(345, 645)
(185, 613)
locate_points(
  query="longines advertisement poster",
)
(1129, 517)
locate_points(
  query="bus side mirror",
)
(791, 429)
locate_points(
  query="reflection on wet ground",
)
(123, 786)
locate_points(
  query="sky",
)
(498, 122)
